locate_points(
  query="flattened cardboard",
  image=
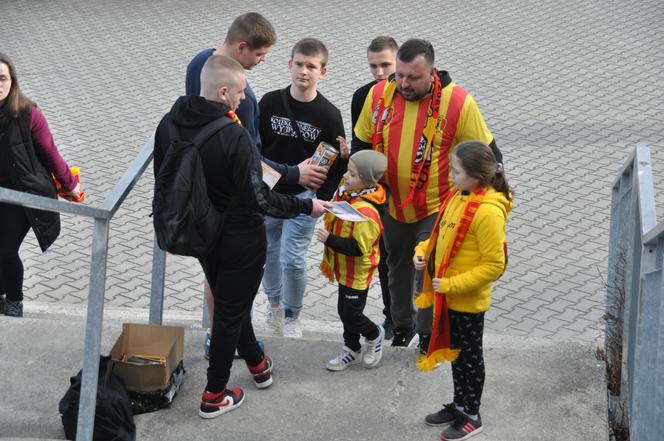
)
(166, 341)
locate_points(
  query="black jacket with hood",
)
(231, 163)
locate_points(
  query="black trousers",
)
(234, 271)
(468, 372)
(350, 307)
(14, 226)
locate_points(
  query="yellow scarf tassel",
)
(425, 363)
(426, 297)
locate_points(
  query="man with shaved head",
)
(248, 41)
(235, 187)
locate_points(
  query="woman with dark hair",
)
(28, 158)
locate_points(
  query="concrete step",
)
(534, 390)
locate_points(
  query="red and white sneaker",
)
(462, 428)
(213, 405)
(262, 373)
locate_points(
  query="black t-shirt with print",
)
(318, 120)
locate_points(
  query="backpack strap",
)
(210, 129)
(204, 134)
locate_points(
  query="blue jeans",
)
(285, 276)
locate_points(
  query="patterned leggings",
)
(468, 369)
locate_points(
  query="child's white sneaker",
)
(273, 318)
(292, 327)
(346, 358)
(374, 350)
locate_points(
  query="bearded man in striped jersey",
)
(416, 118)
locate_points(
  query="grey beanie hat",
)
(370, 165)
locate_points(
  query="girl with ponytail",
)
(464, 255)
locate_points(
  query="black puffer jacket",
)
(28, 174)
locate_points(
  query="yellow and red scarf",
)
(439, 346)
(232, 115)
(422, 141)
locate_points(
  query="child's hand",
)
(418, 261)
(322, 234)
(436, 284)
(344, 149)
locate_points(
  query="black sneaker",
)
(14, 309)
(424, 343)
(213, 405)
(444, 417)
(262, 373)
(388, 326)
(463, 427)
(404, 337)
(3, 304)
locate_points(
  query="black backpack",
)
(114, 419)
(185, 220)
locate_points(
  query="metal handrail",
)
(646, 189)
(99, 256)
(43, 203)
(635, 298)
(128, 180)
(653, 235)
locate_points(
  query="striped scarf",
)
(439, 345)
(232, 115)
(422, 142)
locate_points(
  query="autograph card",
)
(343, 210)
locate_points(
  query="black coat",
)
(28, 174)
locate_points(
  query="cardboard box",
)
(150, 340)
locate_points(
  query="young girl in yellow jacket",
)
(351, 257)
(464, 255)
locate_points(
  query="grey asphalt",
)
(535, 389)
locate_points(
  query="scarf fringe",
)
(424, 300)
(326, 270)
(429, 363)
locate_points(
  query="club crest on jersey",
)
(385, 117)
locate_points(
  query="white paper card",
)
(343, 210)
(270, 175)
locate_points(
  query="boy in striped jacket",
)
(351, 257)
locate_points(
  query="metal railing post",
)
(644, 388)
(206, 314)
(93, 328)
(632, 283)
(157, 291)
(644, 214)
(634, 232)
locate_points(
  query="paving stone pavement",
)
(568, 88)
